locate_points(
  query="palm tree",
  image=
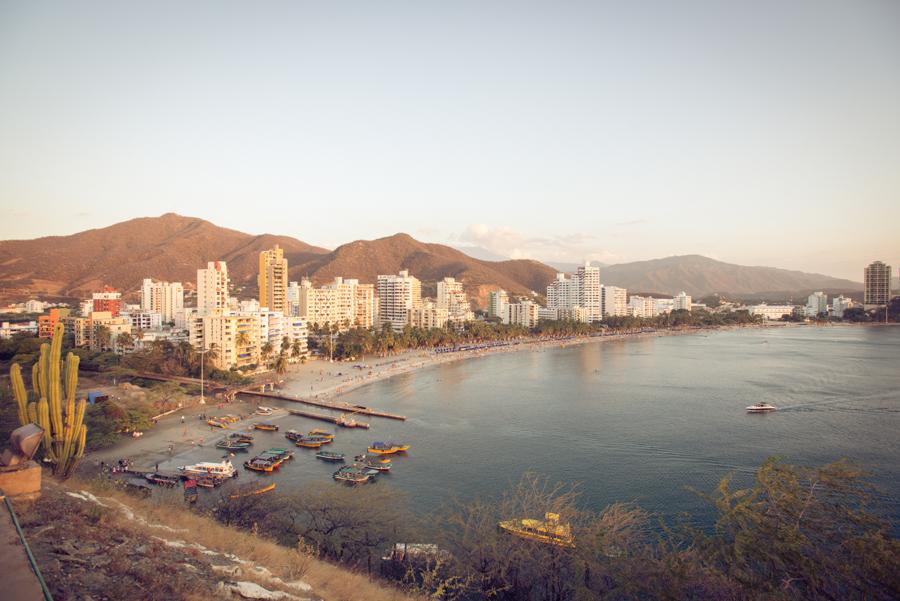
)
(123, 341)
(102, 338)
(281, 364)
(295, 349)
(242, 338)
(285, 344)
(266, 351)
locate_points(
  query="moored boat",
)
(378, 463)
(263, 410)
(387, 448)
(233, 445)
(162, 479)
(329, 456)
(348, 422)
(312, 442)
(548, 531)
(240, 436)
(217, 424)
(223, 469)
(322, 433)
(351, 475)
(254, 491)
(761, 408)
(267, 427)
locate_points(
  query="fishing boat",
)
(321, 432)
(257, 491)
(240, 437)
(162, 479)
(209, 481)
(309, 442)
(263, 410)
(266, 426)
(233, 445)
(761, 408)
(387, 448)
(376, 463)
(351, 475)
(548, 531)
(259, 464)
(205, 468)
(329, 456)
(293, 435)
(217, 424)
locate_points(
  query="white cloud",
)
(568, 248)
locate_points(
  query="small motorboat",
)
(309, 442)
(240, 436)
(351, 475)
(549, 530)
(233, 445)
(387, 448)
(263, 410)
(266, 426)
(209, 481)
(761, 408)
(378, 463)
(162, 479)
(321, 432)
(329, 456)
(217, 424)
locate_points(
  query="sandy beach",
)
(320, 379)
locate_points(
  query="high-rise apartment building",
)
(682, 302)
(839, 304)
(588, 290)
(165, 298)
(562, 293)
(816, 304)
(525, 313)
(498, 305)
(273, 280)
(46, 323)
(615, 300)
(428, 315)
(452, 298)
(877, 283)
(212, 287)
(343, 303)
(108, 300)
(397, 294)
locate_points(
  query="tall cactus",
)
(61, 417)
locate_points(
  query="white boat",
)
(262, 410)
(205, 468)
(761, 408)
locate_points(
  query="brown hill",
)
(170, 247)
(173, 247)
(366, 259)
(702, 276)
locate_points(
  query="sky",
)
(759, 133)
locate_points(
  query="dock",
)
(329, 418)
(334, 406)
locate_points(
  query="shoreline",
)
(329, 381)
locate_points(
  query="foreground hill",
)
(701, 276)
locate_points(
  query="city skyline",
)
(757, 135)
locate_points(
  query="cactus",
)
(61, 417)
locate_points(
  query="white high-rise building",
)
(682, 302)
(816, 303)
(588, 291)
(397, 294)
(428, 315)
(498, 305)
(452, 298)
(165, 298)
(293, 296)
(562, 293)
(642, 306)
(839, 304)
(615, 300)
(212, 287)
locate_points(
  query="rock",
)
(251, 590)
(234, 571)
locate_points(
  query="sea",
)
(648, 420)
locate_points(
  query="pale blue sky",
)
(764, 132)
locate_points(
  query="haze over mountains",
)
(172, 247)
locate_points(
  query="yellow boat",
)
(388, 448)
(258, 491)
(321, 432)
(548, 531)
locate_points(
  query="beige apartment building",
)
(273, 280)
(212, 287)
(877, 283)
(235, 338)
(427, 316)
(342, 303)
(452, 298)
(114, 325)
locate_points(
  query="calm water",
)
(635, 420)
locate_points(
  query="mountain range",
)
(172, 247)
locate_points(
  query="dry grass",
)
(331, 582)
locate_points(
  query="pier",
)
(330, 419)
(334, 406)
